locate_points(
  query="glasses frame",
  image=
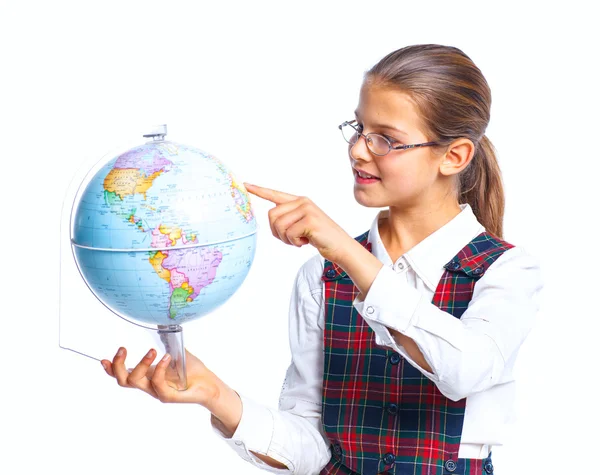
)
(390, 146)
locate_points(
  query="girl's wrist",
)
(226, 410)
(346, 252)
(360, 265)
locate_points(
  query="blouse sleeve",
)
(292, 434)
(469, 354)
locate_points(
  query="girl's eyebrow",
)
(383, 126)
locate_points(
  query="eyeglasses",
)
(377, 144)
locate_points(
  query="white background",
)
(263, 86)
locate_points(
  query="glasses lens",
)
(378, 144)
(349, 134)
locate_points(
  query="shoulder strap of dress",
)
(478, 255)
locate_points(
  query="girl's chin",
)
(368, 201)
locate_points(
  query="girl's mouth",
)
(364, 179)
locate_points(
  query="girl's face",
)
(405, 177)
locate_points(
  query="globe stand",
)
(171, 337)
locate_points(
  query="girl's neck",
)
(402, 229)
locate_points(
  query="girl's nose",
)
(360, 150)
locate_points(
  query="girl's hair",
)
(453, 99)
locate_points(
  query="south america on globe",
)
(163, 233)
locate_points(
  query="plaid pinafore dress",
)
(380, 413)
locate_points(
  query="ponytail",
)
(481, 187)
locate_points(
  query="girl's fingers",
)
(107, 367)
(291, 227)
(138, 376)
(118, 367)
(150, 372)
(296, 233)
(278, 211)
(269, 194)
(164, 392)
(283, 208)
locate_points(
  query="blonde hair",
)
(453, 99)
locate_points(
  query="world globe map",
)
(163, 233)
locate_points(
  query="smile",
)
(364, 178)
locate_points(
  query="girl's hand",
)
(297, 221)
(204, 387)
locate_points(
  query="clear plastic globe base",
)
(157, 234)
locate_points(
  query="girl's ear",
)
(459, 155)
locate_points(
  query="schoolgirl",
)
(403, 339)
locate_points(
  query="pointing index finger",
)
(274, 196)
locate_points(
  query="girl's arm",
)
(462, 356)
(298, 221)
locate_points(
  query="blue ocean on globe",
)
(164, 233)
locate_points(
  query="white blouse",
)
(472, 357)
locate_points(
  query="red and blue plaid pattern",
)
(381, 413)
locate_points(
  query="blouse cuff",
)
(253, 433)
(390, 302)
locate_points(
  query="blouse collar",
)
(429, 256)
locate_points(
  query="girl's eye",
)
(392, 140)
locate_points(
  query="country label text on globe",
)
(164, 233)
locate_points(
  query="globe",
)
(163, 233)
